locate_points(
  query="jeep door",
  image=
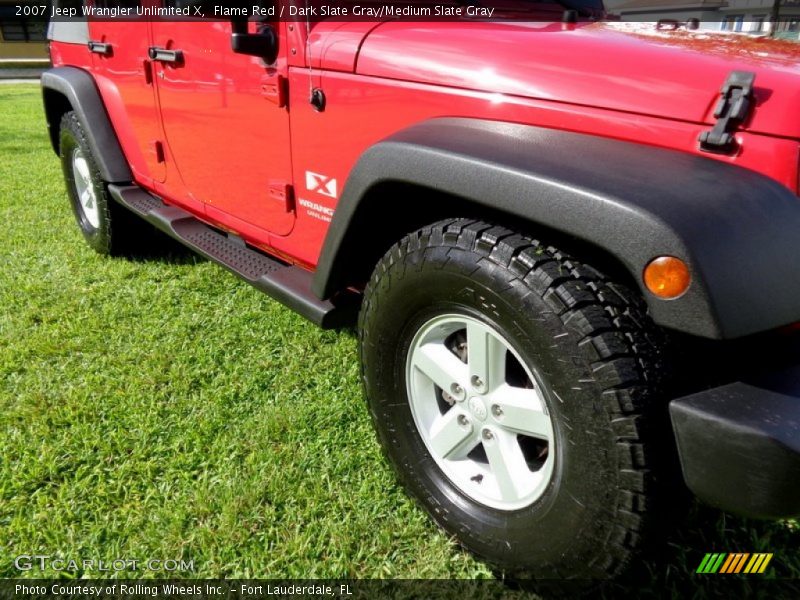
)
(119, 63)
(226, 124)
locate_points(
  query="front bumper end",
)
(739, 445)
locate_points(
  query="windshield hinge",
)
(732, 109)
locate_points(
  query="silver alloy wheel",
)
(87, 197)
(480, 412)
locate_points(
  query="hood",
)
(619, 66)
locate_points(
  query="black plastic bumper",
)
(739, 445)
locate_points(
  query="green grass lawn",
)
(161, 408)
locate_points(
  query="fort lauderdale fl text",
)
(381, 11)
(172, 589)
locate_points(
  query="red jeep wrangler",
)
(527, 215)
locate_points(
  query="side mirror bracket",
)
(263, 43)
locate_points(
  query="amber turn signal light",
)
(667, 277)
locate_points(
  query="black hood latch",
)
(733, 108)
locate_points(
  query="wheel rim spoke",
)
(451, 439)
(507, 464)
(87, 199)
(85, 189)
(521, 410)
(487, 357)
(82, 169)
(493, 438)
(439, 365)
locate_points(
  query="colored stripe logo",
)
(734, 562)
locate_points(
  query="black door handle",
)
(165, 56)
(100, 48)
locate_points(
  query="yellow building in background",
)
(21, 38)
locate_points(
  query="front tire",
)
(511, 387)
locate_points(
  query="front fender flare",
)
(738, 230)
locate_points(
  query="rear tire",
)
(568, 493)
(107, 227)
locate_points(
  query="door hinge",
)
(147, 69)
(282, 192)
(733, 107)
(159, 148)
(275, 89)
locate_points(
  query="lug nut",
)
(487, 434)
(463, 420)
(457, 391)
(497, 411)
(477, 382)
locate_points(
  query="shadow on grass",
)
(671, 573)
(708, 530)
(158, 247)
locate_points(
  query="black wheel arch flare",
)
(738, 230)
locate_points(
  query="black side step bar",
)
(287, 284)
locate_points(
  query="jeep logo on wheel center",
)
(478, 408)
(534, 280)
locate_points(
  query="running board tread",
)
(247, 263)
(287, 284)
